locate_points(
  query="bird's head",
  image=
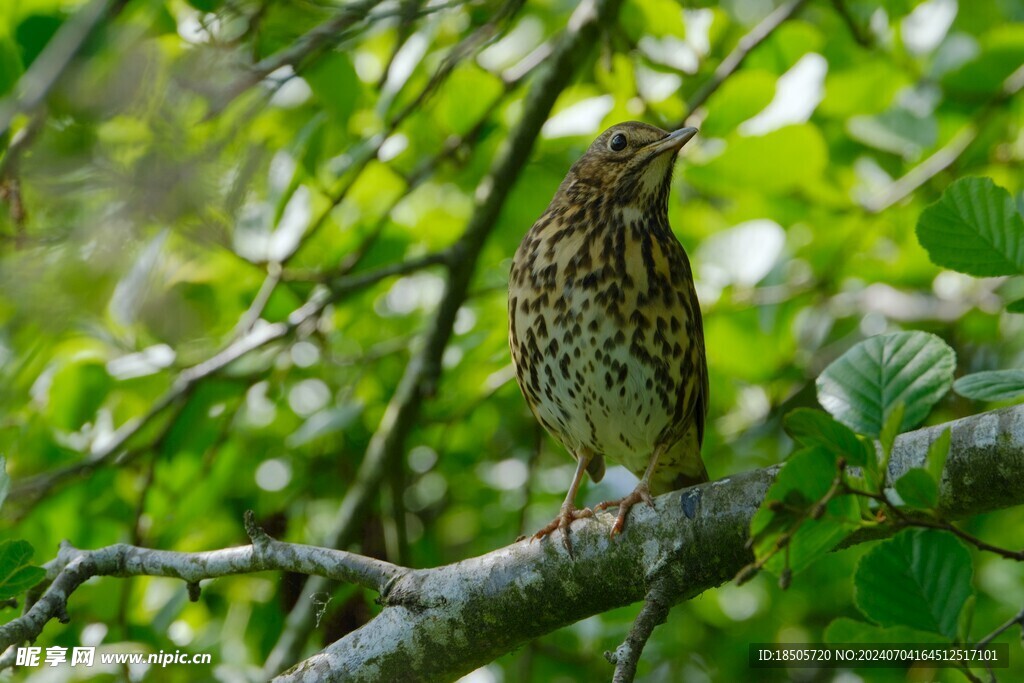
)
(630, 164)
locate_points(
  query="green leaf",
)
(740, 98)
(974, 228)
(846, 630)
(918, 489)
(77, 391)
(935, 461)
(34, 33)
(206, 5)
(966, 619)
(991, 385)
(333, 80)
(10, 65)
(1016, 306)
(810, 427)
(920, 578)
(805, 479)
(891, 427)
(1002, 52)
(861, 387)
(472, 91)
(787, 158)
(16, 574)
(890, 430)
(5, 481)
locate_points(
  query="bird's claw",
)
(640, 494)
(565, 518)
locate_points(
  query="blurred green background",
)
(165, 197)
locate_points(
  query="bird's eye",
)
(618, 142)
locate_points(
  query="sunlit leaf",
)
(861, 387)
(991, 385)
(975, 229)
(775, 162)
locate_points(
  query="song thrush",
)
(604, 324)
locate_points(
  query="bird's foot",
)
(640, 494)
(569, 514)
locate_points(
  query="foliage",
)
(185, 192)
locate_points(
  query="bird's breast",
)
(601, 323)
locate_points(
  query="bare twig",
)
(902, 519)
(465, 47)
(309, 45)
(259, 302)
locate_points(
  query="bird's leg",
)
(642, 492)
(569, 512)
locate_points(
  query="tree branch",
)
(439, 624)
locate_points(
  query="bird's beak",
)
(674, 141)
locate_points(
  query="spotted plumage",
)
(604, 324)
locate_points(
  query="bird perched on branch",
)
(604, 324)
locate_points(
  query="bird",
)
(605, 328)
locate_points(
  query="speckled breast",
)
(601, 326)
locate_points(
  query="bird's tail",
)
(680, 466)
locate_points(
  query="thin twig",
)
(259, 302)
(307, 46)
(902, 519)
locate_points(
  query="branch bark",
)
(439, 624)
